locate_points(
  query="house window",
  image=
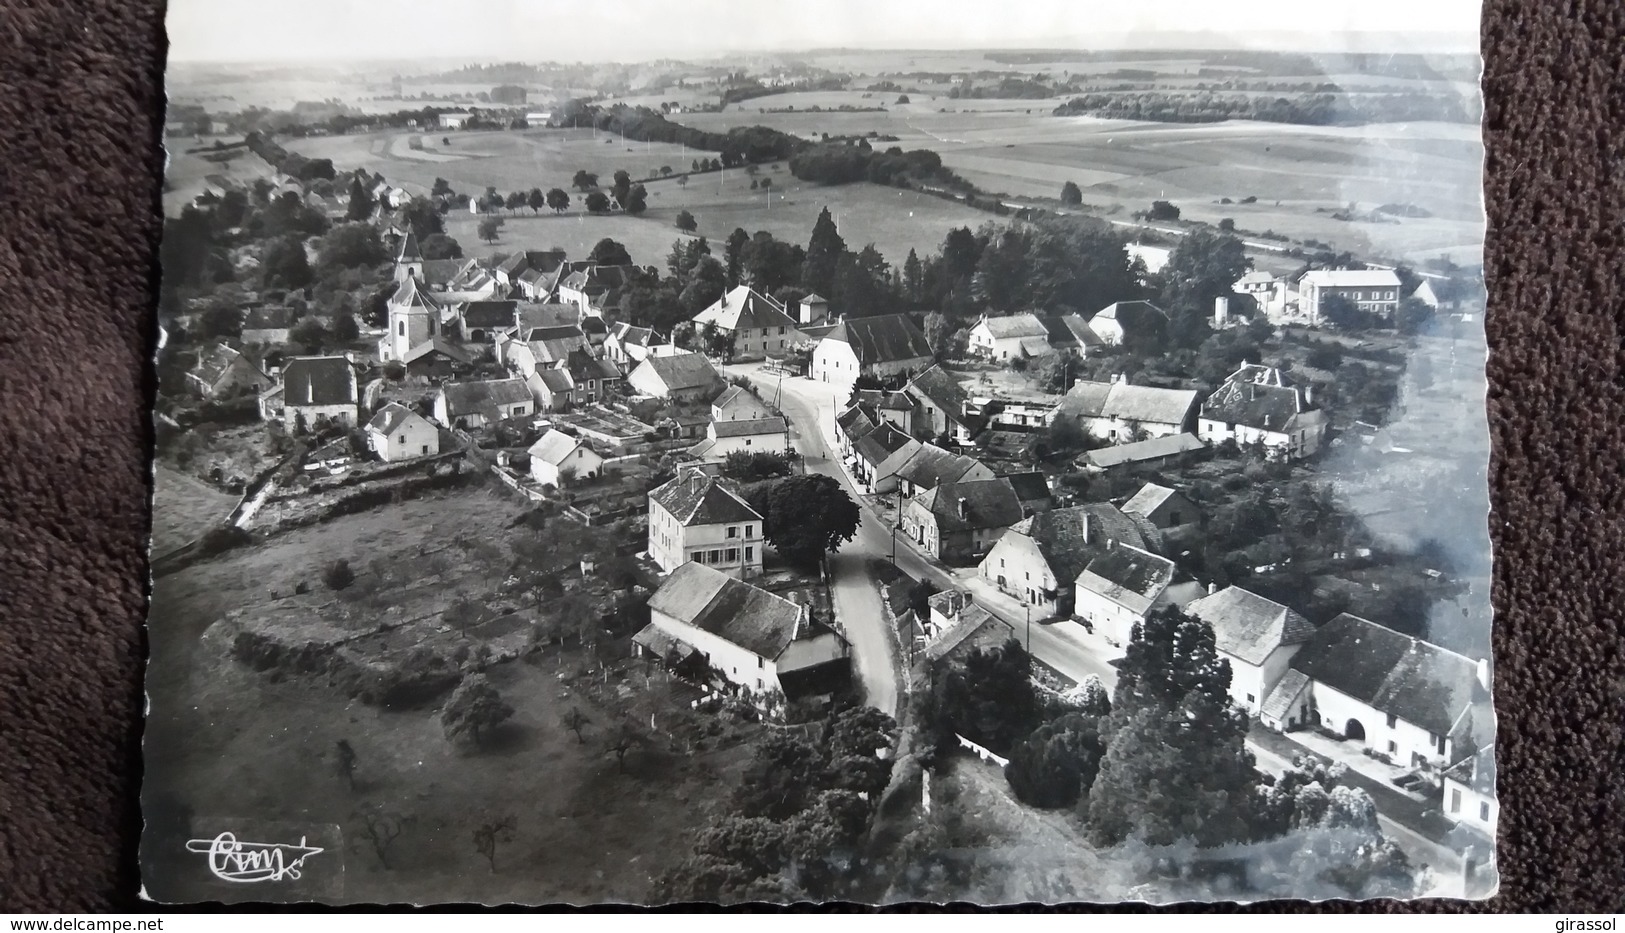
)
(759, 662)
(733, 531)
(1392, 720)
(1392, 746)
(401, 328)
(748, 552)
(403, 438)
(747, 442)
(733, 554)
(1455, 800)
(1250, 698)
(1484, 812)
(425, 449)
(716, 557)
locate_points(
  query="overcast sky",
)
(347, 31)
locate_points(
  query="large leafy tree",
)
(806, 516)
(1176, 767)
(283, 264)
(361, 202)
(637, 200)
(609, 252)
(988, 698)
(1057, 763)
(1202, 267)
(733, 255)
(423, 216)
(440, 246)
(769, 263)
(558, 199)
(706, 283)
(862, 286)
(824, 250)
(350, 245)
(475, 708)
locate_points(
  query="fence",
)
(981, 752)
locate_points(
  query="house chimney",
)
(1221, 312)
(1210, 589)
(964, 509)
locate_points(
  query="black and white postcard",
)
(734, 452)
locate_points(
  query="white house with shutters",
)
(694, 517)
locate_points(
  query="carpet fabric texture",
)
(81, 106)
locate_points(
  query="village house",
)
(1469, 792)
(881, 347)
(811, 310)
(552, 389)
(1412, 702)
(1120, 588)
(626, 346)
(1260, 405)
(743, 638)
(597, 287)
(596, 380)
(759, 435)
(399, 433)
(1038, 559)
(1011, 337)
(1264, 289)
(1070, 334)
(481, 321)
(1257, 636)
(540, 348)
(852, 424)
(1013, 414)
(694, 517)
(681, 377)
(220, 371)
(738, 403)
(1156, 452)
(471, 405)
(939, 406)
(1122, 413)
(455, 120)
(1032, 490)
(435, 359)
(1125, 321)
(512, 271)
(268, 326)
(557, 459)
(959, 522)
(413, 319)
(758, 325)
(313, 390)
(1165, 508)
(931, 466)
(878, 454)
(1372, 290)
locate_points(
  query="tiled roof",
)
(410, 295)
(932, 466)
(1069, 330)
(548, 315)
(1068, 538)
(484, 397)
(389, 418)
(318, 380)
(700, 500)
(441, 271)
(733, 610)
(409, 251)
(556, 381)
(743, 307)
(1030, 486)
(1129, 576)
(1278, 705)
(1477, 772)
(1150, 405)
(1014, 325)
(888, 338)
(554, 447)
(1352, 278)
(1148, 499)
(853, 417)
(978, 504)
(489, 313)
(435, 345)
(882, 442)
(584, 366)
(942, 389)
(628, 336)
(1129, 313)
(749, 428)
(1248, 626)
(683, 371)
(1256, 398)
(1393, 673)
(1154, 449)
(213, 362)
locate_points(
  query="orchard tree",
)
(536, 200)
(516, 201)
(575, 721)
(637, 200)
(1203, 266)
(475, 708)
(584, 180)
(1071, 194)
(805, 517)
(685, 221)
(558, 199)
(622, 186)
(283, 264)
(490, 832)
(489, 229)
(597, 202)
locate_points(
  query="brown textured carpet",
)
(80, 111)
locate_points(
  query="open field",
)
(1292, 170)
(185, 173)
(184, 507)
(243, 742)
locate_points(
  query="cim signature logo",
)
(247, 862)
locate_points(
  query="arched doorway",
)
(1354, 730)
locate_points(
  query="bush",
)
(224, 538)
(338, 575)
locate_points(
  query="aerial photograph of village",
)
(869, 471)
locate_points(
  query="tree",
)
(902, 98)
(221, 321)
(558, 199)
(939, 333)
(575, 721)
(1176, 765)
(440, 246)
(475, 708)
(782, 778)
(584, 180)
(463, 614)
(770, 264)
(1413, 316)
(489, 229)
(1093, 697)
(685, 221)
(441, 189)
(380, 828)
(1162, 210)
(344, 761)
(350, 246)
(536, 200)
(919, 597)
(608, 252)
(1056, 765)
(491, 831)
(1071, 194)
(345, 328)
(424, 217)
(806, 516)
(913, 277)
(1227, 225)
(361, 202)
(622, 186)
(597, 202)
(733, 255)
(1203, 266)
(310, 335)
(824, 250)
(283, 264)
(988, 697)
(623, 738)
(637, 200)
(1341, 311)
(515, 201)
